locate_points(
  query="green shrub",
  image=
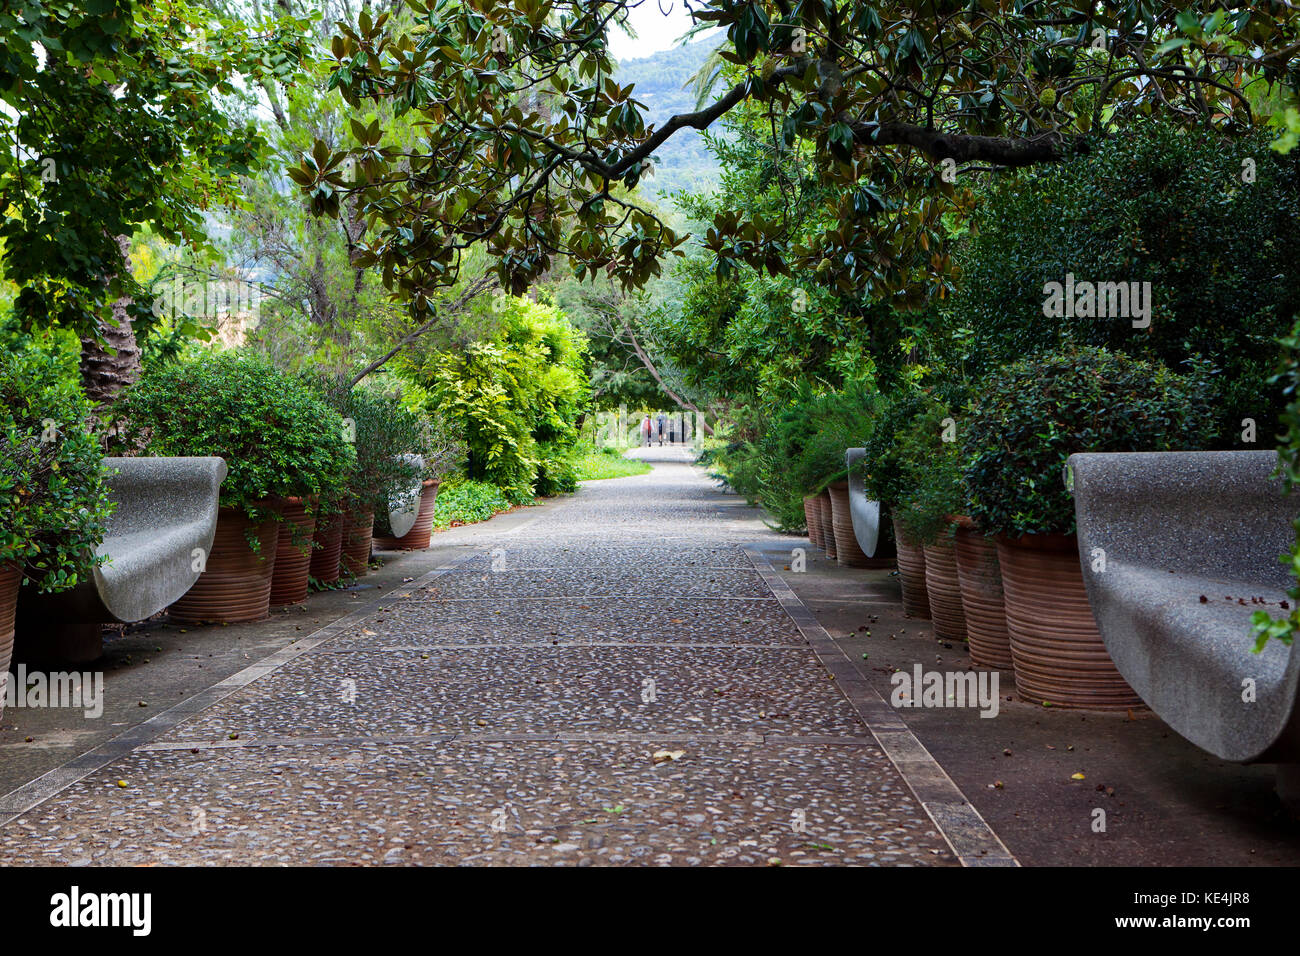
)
(277, 437)
(383, 433)
(1157, 205)
(515, 397)
(53, 502)
(1032, 415)
(930, 473)
(464, 501)
(883, 463)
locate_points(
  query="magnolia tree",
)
(528, 135)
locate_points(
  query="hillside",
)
(684, 163)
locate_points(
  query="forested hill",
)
(684, 163)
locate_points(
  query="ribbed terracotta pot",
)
(358, 527)
(911, 573)
(417, 539)
(236, 582)
(11, 579)
(812, 514)
(847, 551)
(943, 588)
(292, 554)
(327, 549)
(1058, 653)
(980, 576)
(827, 523)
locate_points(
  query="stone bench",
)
(1188, 539)
(164, 509)
(864, 512)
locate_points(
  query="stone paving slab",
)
(497, 690)
(564, 620)
(635, 578)
(510, 557)
(500, 803)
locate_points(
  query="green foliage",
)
(121, 125)
(53, 501)
(933, 489)
(1287, 381)
(464, 501)
(515, 397)
(276, 436)
(384, 433)
(1031, 416)
(1156, 205)
(884, 476)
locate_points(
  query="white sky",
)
(659, 24)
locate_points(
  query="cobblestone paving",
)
(611, 683)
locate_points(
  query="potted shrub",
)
(53, 501)
(1029, 418)
(883, 480)
(279, 442)
(931, 499)
(397, 448)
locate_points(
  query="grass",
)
(592, 465)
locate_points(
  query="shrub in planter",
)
(1029, 418)
(385, 434)
(279, 441)
(933, 497)
(53, 502)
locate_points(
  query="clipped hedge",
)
(277, 437)
(1032, 415)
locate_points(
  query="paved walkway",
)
(619, 680)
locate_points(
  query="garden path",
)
(620, 680)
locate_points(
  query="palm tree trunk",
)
(110, 365)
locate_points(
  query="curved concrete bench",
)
(1187, 537)
(864, 511)
(404, 507)
(164, 509)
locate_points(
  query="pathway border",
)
(972, 840)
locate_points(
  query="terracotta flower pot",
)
(327, 549)
(358, 528)
(911, 573)
(292, 554)
(980, 576)
(11, 579)
(944, 589)
(417, 539)
(827, 523)
(1059, 655)
(812, 513)
(236, 582)
(847, 551)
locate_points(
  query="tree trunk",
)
(109, 366)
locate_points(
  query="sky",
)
(659, 24)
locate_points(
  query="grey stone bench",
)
(864, 512)
(164, 509)
(1188, 539)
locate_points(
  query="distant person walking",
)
(661, 422)
(646, 430)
